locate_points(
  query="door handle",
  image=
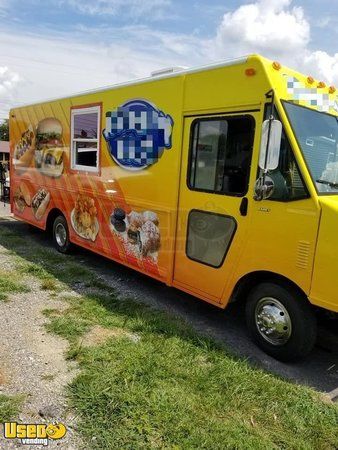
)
(243, 209)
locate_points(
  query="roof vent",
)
(167, 71)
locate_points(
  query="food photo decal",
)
(42, 148)
(84, 218)
(24, 150)
(138, 231)
(22, 197)
(40, 203)
(49, 147)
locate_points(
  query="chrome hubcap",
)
(60, 235)
(273, 321)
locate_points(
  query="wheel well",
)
(249, 281)
(53, 214)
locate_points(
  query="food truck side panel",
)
(136, 176)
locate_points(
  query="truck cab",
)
(258, 207)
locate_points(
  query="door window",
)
(220, 155)
(209, 237)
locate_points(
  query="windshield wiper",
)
(329, 183)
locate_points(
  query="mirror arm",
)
(271, 94)
(258, 195)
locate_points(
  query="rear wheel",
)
(281, 321)
(61, 235)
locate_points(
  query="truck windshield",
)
(317, 135)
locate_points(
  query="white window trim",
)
(78, 112)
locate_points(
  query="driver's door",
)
(214, 209)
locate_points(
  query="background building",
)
(4, 152)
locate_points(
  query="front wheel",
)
(61, 235)
(281, 321)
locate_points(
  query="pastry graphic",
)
(138, 231)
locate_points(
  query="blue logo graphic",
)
(137, 134)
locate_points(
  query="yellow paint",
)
(324, 288)
(273, 237)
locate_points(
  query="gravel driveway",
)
(32, 361)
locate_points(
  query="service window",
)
(85, 133)
(220, 155)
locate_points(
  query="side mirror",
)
(264, 188)
(270, 144)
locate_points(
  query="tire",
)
(61, 235)
(280, 321)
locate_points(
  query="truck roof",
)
(287, 83)
(174, 72)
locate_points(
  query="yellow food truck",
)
(220, 180)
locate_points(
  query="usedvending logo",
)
(137, 133)
(34, 434)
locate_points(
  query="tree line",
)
(4, 130)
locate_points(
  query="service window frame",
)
(81, 110)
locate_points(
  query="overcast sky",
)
(51, 48)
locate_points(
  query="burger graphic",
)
(49, 147)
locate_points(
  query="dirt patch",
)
(2, 379)
(99, 335)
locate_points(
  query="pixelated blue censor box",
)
(137, 133)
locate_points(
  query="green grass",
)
(176, 389)
(172, 389)
(48, 267)
(9, 407)
(35, 270)
(10, 283)
(9, 237)
(49, 284)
